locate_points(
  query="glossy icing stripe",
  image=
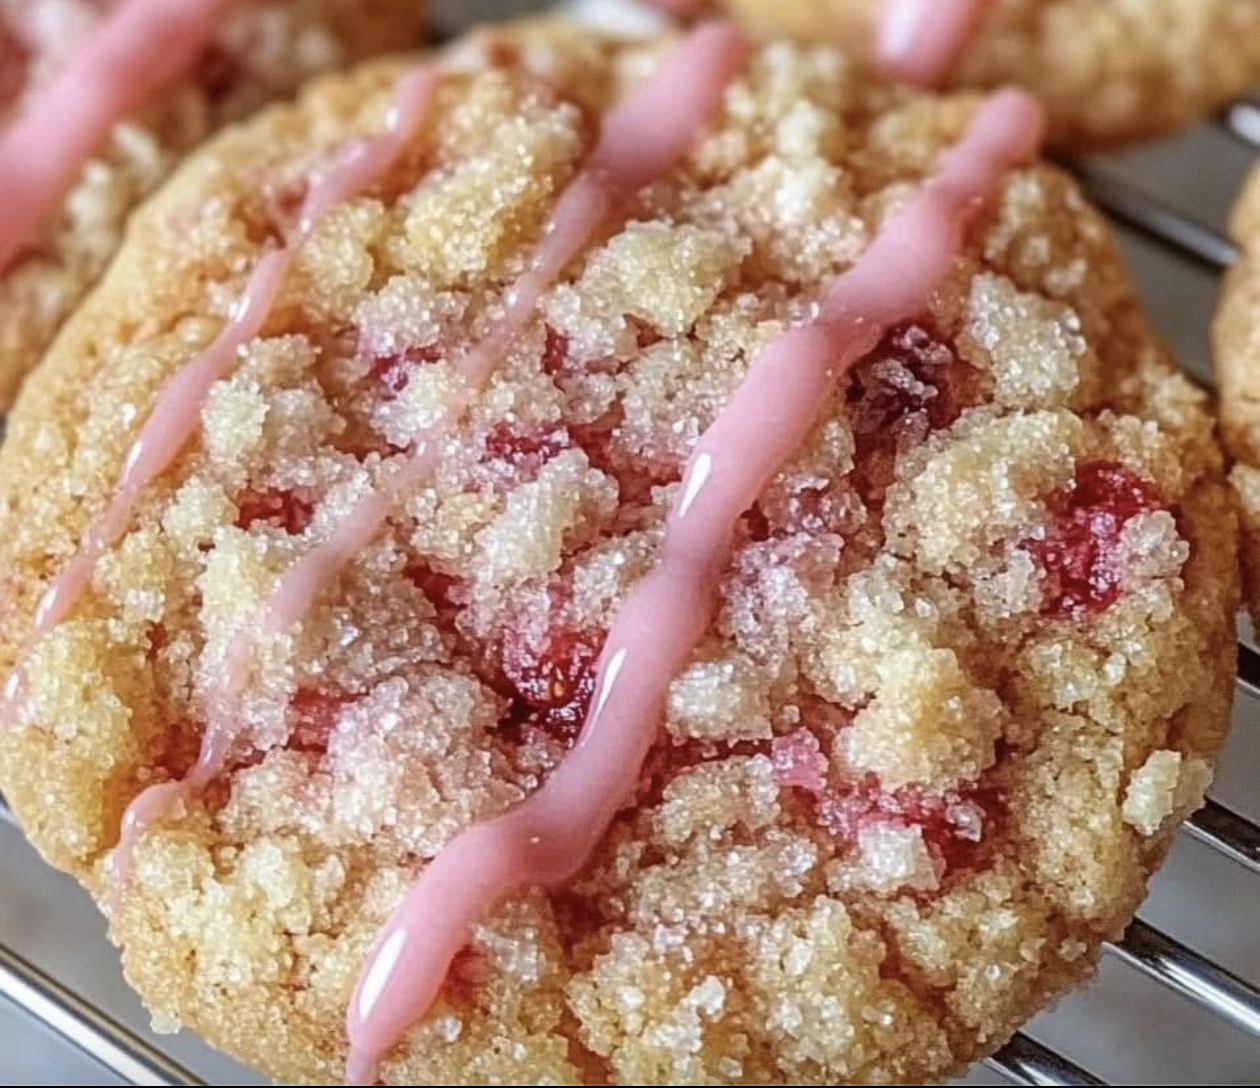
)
(546, 839)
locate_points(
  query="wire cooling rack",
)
(1193, 246)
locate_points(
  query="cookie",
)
(1109, 71)
(70, 191)
(794, 440)
(1236, 343)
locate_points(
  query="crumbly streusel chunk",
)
(972, 650)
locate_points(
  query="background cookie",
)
(1108, 70)
(265, 49)
(1014, 512)
(1236, 340)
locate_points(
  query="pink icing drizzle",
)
(698, 69)
(173, 420)
(350, 170)
(546, 839)
(177, 413)
(141, 45)
(919, 40)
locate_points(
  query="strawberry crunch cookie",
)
(99, 99)
(1236, 337)
(1107, 70)
(588, 562)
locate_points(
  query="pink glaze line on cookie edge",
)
(351, 169)
(175, 418)
(168, 427)
(43, 152)
(546, 839)
(920, 40)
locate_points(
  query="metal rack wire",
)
(1022, 1061)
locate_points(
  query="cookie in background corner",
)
(1236, 348)
(83, 139)
(1108, 71)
